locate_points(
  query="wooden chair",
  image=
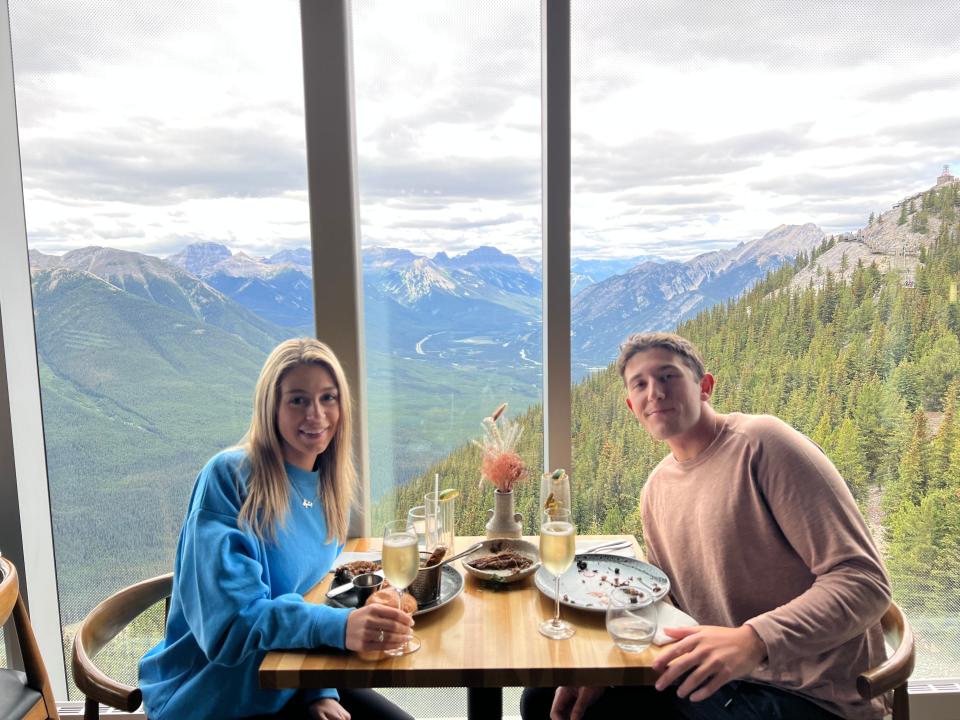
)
(892, 674)
(103, 623)
(27, 694)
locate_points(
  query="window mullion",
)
(555, 129)
(334, 235)
(23, 470)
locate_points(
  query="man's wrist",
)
(758, 649)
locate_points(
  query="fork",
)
(609, 545)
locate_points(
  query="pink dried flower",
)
(504, 469)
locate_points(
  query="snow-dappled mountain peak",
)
(382, 257)
(418, 280)
(298, 256)
(242, 265)
(112, 264)
(485, 255)
(199, 258)
(658, 296)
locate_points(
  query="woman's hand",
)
(327, 709)
(377, 627)
(712, 655)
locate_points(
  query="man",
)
(764, 546)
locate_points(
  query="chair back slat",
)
(103, 624)
(9, 590)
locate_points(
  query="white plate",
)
(588, 581)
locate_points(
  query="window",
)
(448, 146)
(683, 142)
(165, 196)
(817, 138)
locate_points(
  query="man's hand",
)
(570, 703)
(712, 655)
(327, 709)
(377, 627)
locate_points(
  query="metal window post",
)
(555, 129)
(334, 223)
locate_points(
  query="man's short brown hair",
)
(639, 342)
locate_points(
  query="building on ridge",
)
(945, 176)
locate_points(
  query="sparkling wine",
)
(401, 561)
(557, 546)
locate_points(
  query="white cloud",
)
(145, 125)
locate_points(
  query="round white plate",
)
(588, 581)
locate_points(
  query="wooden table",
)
(486, 639)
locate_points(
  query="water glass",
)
(440, 519)
(417, 517)
(631, 618)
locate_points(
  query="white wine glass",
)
(401, 563)
(555, 492)
(557, 549)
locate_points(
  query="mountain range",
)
(659, 296)
(483, 304)
(445, 335)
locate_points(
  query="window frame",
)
(23, 464)
(25, 521)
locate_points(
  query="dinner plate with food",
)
(587, 583)
(503, 560)
(450, 586)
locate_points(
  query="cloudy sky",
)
(147, 126)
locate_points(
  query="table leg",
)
(484, 703)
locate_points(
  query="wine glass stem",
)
(400, 601)
(556, 612)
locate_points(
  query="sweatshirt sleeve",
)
(227, 604)
(821, 521)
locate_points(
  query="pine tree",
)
(846, 453)
(946, 439)
(937, 369)
(911, 483)
(924, 542)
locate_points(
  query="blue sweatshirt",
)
(235, 597)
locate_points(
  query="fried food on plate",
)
(389, 597)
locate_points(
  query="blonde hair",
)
(268, 494)
(639, 342)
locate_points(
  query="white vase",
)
(502, 521)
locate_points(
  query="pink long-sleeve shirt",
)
(761, 529)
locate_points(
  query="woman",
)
(265, 522)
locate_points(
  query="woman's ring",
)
(380, 636)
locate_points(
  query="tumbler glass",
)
(631, 618)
